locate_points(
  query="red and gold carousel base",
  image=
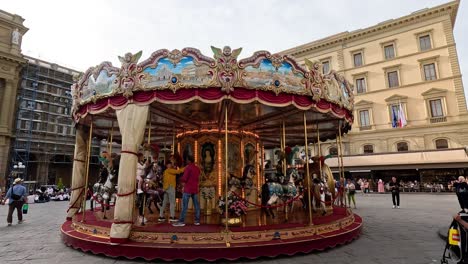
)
(256, 237)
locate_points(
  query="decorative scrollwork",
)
(128, 73)
(227, 68)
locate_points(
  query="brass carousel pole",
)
(88, 159)
(338, 144)
(342, 152)
(226, 164)
(284, 149)
(309, 181)
(111, 139)
(173, 139)
(341, 162)
(319, 149)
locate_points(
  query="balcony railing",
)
(440, 119)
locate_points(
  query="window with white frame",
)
(389, 51)
(361, 85)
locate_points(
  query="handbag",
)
(25, 208)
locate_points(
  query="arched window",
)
(333, 151)
(441, 144)
(402, 146)
(368, 149)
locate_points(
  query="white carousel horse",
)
(282, 190)
(103, 193)
(153, 189)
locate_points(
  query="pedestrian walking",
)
(381, 187)
(395, 189)
(190, 179)
(16, 196)
(351, 191)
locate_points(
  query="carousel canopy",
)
(188, 91)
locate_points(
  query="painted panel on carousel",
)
(104, 84)
(183, 73)
(276, 76)
(338, 90)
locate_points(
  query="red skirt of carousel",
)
(257, 236)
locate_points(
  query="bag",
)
(352, 192)
(15, 197)
(25, 208)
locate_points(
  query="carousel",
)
(225, 114)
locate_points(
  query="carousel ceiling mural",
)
(187, 90)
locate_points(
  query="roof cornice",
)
(450, 8)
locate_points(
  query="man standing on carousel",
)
(190, 179)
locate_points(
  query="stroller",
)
(456, 248)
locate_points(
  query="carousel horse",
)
(104, 192)
(153, 188)
(248, 183)
(282, 188)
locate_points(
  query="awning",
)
(428, 159)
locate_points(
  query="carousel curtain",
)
(78, 174)
(132, 121)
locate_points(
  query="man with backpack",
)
(16, 196)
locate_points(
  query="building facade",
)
(11, 61)
(45, 134)
(411, 117)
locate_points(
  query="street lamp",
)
(18, 169)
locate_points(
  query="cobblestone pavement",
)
(406, 235)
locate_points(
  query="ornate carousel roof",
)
(187, 91)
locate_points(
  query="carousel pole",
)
(173, 139)
(319, 149)
(109, 149)
(341, 145)
(144, 194)
(111, 138)
(88, 159)
(226, 165)
(338, 147)
(284, 149)
(341, 162)
(309, 181)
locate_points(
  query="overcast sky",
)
(80, 34)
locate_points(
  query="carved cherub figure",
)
(226, 66)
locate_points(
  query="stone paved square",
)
(406, 235)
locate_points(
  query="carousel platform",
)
(257, 236)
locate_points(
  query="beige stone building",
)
(406, 64)
(11, 61)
